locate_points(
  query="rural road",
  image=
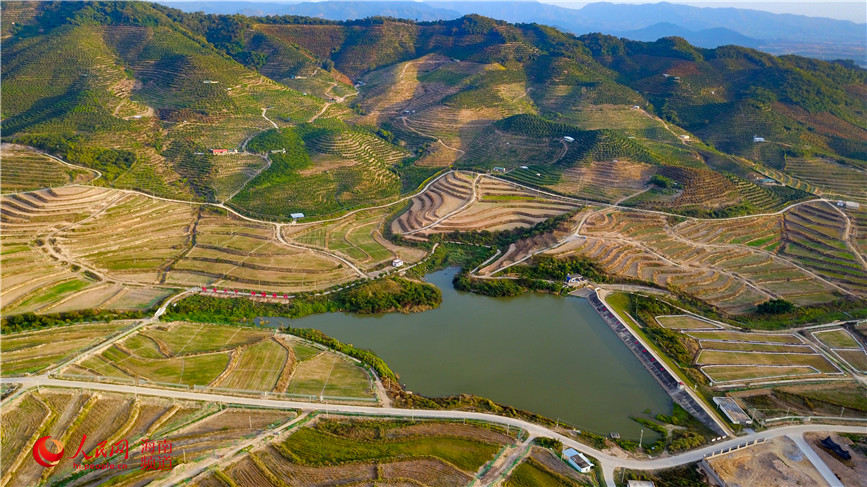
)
(608, 462)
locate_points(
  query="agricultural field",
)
(733, 357)
(227, 358)
(845, 346)
(25, 169)
(37, 272)
(543, 467)
(196, 430)
(326, 450)
(34, 351)
(357, 237)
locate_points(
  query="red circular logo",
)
(43, 455)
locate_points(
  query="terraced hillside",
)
(831, 179)
(357, 237)
(456, 204)
(235, 253)
(322, 169)
(38, 275)
(25, 170)
(733, 264)
(228, 359)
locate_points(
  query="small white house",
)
(499, 169)
(524, 167)
(851, 205)
(758, 139)
(577, 460)
(296, 216)
(636, 107)
(684, 137)
(397, 263)
(568, 139)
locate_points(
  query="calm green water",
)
(547, 354)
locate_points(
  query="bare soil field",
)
(852, 472)
(770, 464)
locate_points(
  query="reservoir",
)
(547, 354)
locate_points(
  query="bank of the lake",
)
(547, 354)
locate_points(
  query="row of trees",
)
(32, 321)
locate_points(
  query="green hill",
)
(143, 92)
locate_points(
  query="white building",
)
(578, 461)
(397, 263)
(568, 139)
(296, 216)
(758, 139)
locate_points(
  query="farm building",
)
(684, 137)
(219, 152)
(524, 167)
(639, 483)
(767, 181)
(568, 139)
(577, 459)
(636, 107)
(758, 139)
(732, 410)
(296, 216)
(397, 263)
(499, 169)
(280, 151)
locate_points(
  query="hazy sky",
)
(854, 11)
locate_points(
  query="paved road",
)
(817, 462)
(608, 462)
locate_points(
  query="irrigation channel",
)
(547, 354)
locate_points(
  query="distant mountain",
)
(708, 38)
(707, 27)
